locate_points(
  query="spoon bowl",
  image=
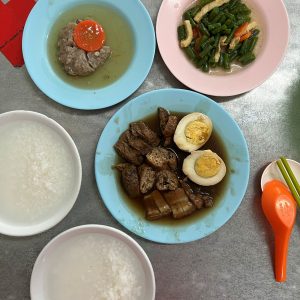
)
(279, 208)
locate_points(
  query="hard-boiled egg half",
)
(193, 131)
(204, 167)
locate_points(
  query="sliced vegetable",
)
(187, 16)
(214, 26)
(226, 63)
(245, 36)
(200, 62)
(181, 32)
(217, 18)
(234, 42)
(207, 42)
(230, 37)
(190, 53)
(208, 7)
(197, 44)
(218, 51)
(219, 29)
(221, 60)
(244, 28)
(233, 55)
(89, 35)
(234, 3)
(205, 51)
(203, 29)
(203, 40)
(245, 47)
(205, 67)
(213, 13)
(196, 32)
(189, 34)
(217, 40)
(247, 58)
(253, 43)
(241, 30)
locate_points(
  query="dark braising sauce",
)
(214, 143)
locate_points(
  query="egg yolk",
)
(207, 165)
(196, 132)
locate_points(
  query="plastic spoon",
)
(279, 207)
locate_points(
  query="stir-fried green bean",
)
(253, 43)
(203, 29)
(230, 37)
(187, 16)
(213, 13)
(221, 37)
(233, 55)
(190, 52)
(245, 47)
(205, 51)
(207, 42)
(181, 32)
(203, 40)
(226, 63)
(247, 58)
(205, 67)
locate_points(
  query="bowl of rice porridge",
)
(40, 173)
(92, 262)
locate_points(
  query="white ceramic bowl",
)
(8, 227)
(44, 263)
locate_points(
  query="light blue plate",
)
(179, 101)
(43, 16)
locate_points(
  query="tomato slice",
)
(89, 35)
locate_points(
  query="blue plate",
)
(39, 23)
(179, 101)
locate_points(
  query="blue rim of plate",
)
(43, 16)
(181, 101)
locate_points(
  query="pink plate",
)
(274, 24)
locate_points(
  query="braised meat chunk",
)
(124, 149)
(138, 144)
(162, 159)
(179, 203)
(156, 206)
(168, 124)
(196, 198)
(141, 130)
(170, 127)
(163, 116)
(130, 179)
(166, 180)
(208, 201)
(147, 178)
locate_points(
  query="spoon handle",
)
(281, 252)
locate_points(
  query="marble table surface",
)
(235, 262)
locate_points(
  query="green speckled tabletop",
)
(235, 262)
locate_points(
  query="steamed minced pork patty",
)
(75, 60)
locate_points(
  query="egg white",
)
(188, 169)
(179, 136)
